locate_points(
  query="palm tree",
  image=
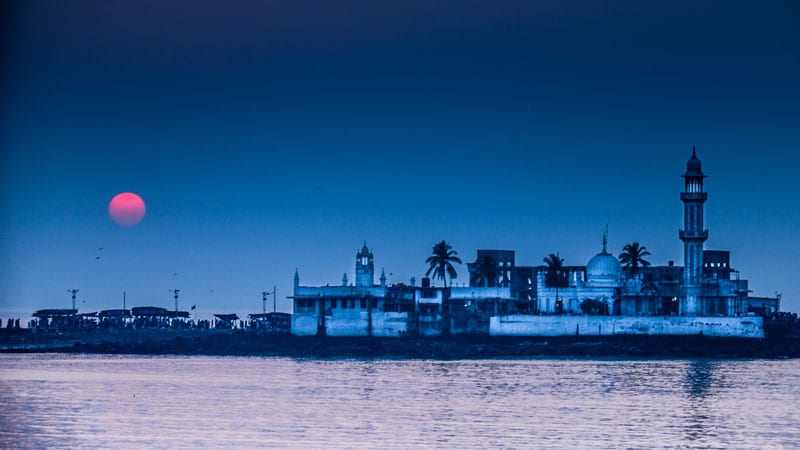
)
(441, 262)
(485, 273)
(554, 273)
(650, 290)
(632, 257)
(649, 286)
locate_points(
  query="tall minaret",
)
(693, 235)
(365, 267)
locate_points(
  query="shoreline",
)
(235, 343)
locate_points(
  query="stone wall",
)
(354, 323)
(390, 324)
(304, 324)
(347, 322)
(525, 325)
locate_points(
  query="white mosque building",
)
(705, 296)
(600, 280)
(706, 285)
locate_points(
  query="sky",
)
(269, 136)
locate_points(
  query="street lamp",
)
(264, 301)
(175, 291)
(73, 292)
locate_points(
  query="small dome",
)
(694, 168)
(603, 266)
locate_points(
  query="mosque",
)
(705, 296)
(706, 285)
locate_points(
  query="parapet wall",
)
(526, 325)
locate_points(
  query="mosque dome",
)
(603, 266)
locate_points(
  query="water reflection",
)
(698, 377)
(367, 375)
(63, 401)
(700, 424)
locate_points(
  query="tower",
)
(693, 236)
(365, 267)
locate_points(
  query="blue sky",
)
(266, 137)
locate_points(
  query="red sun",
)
(126, 209)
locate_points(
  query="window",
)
(303, 303)
(363, 303)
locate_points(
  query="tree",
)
(649, 285)
(555, 275)
(651, 289)
(632, 257)
(441, 262)
(485, 273)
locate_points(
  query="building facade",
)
(503, 298)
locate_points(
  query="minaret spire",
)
(693, 236)
(605, 241)
(365, 267)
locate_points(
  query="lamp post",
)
(73, 292)
(175, 291)
(264, 301)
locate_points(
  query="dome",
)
(603, 266)
(694, 168)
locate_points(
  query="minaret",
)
(693, 236)
(383, 279)
(365, 267)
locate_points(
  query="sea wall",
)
(526, 325)
(354, 323)
(381, 324)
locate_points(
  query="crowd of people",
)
(88, 323)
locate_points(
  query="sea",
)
(104, 401)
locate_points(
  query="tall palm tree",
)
(441, 262)
(485, 273)
(632, 257)
(554, 275)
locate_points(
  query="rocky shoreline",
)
(228, 343)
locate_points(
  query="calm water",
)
(78, 401)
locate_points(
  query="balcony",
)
(693, 235)
(694, 196)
